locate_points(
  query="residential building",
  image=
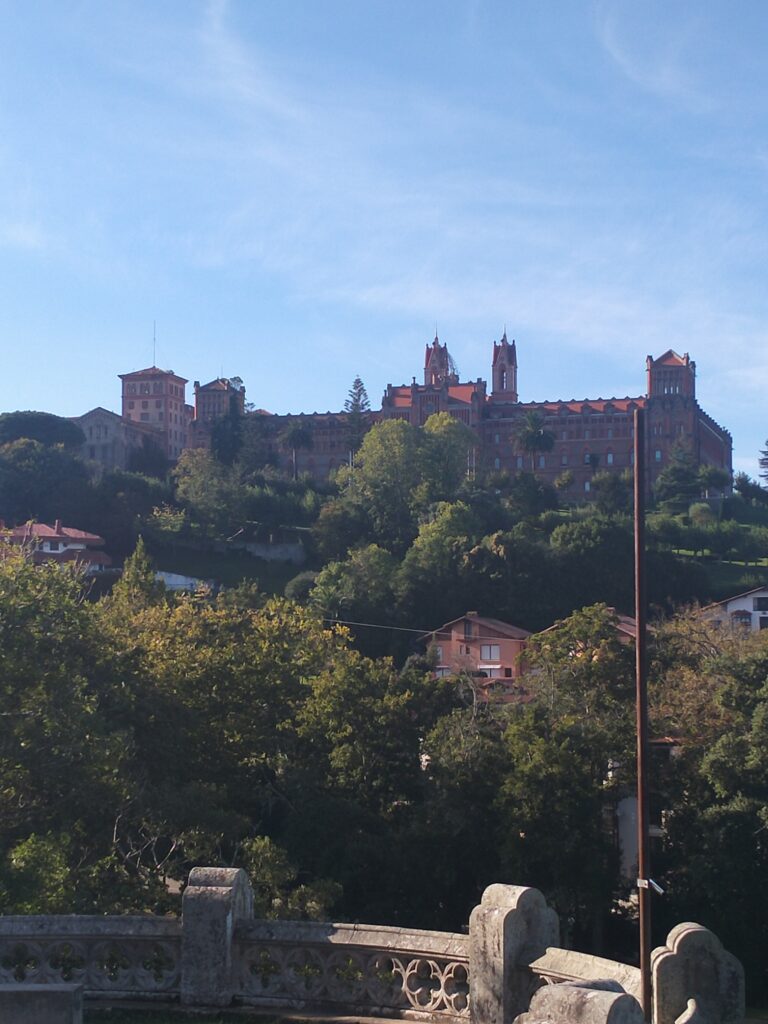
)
(59, 544)
(485, 649)
(748, 610)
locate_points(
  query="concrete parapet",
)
(41, 1004)
(601, 1002)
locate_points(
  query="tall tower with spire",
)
(438, 365)
(504, 371)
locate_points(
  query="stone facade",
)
(218, 955)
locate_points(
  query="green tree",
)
(763, 462)
(532, 437)
(43, 483)
(679, 484)
(357, 407)
(227, 434)
(612, 492)
(209, 490)
(447, 444)
(386, 474)
(44, 427)
(149, 459)
(296, 435)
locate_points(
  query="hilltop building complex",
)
(589, 435)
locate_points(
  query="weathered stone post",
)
(214, 900)
(511, 926)
(694, 975)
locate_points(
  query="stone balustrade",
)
(218, 955)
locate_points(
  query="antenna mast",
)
(154, 342)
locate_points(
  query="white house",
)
(749, 610)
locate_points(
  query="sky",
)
(297, 192)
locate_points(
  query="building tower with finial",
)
(504, 369)
(438, 365)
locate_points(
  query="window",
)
(441, 673)
(439, 652)
(467, 629)
(760, 604)
(610, 433)
(507, 673)
(130, 405)
(145, 417)
(144, 389)
(495, 438)
(587, 487)
(519, 462)
(542, 462)
(564, 459)
(53, 545)
(497, 463)
(586, 433)
(131, 389)
(92, 451)
(763, 622)
(609, 459)
(586, 458)
(157, 389)
(657, 455)
(145, 405)
(489, 652)
(158, 403)
(631, 458)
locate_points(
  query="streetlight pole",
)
(641, 712)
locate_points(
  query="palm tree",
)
(296, 435)
(532, 436)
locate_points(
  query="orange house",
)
(483, 648)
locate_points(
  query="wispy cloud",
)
(653, 52)
(24, 235)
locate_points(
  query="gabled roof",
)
(736, 597)
(625, 624)
(151, 371)
(220, 384)
(99, 410)
(672, 358)
(41, 531)
(506, 628)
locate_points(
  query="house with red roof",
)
(59, 544)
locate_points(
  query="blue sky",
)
(298, 192)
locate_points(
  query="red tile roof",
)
(41, 531)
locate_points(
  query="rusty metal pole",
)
(641, 712)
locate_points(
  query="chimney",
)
(57, 526)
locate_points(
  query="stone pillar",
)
(693, 966)
(511, 926)
(214, 900)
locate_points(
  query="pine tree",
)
(357, 407)
(763, 462)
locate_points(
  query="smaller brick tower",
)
(504, 370)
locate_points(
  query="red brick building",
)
(156, 398)
(591, 434)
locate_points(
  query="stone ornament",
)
(693, 966)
